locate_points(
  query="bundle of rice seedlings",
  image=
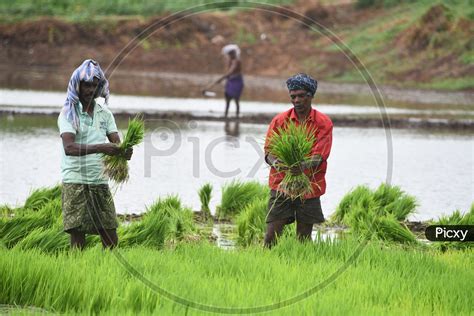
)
(361, 194)
(48, 240)
(292, 145)
(392, 200)
(151, 231)
(15, 229)
(251, 222)
(166, 221)
(388, 228)
(39, 197)
(179, 220)
(377, 215)
(237, 195)
(361, 220)
(402, 208)
(116, 167)
(456, 218)
(6, 211)
(366, 224)
(205, 193)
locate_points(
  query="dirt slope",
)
(274, 43)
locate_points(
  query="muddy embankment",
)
(177, 58)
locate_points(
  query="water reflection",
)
(225, 235)
(231, 128)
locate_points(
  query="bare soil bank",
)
(171, 51)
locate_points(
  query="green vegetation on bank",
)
(88, 9)
(425, 44)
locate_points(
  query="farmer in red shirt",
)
(306, 211)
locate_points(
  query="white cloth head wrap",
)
(231, 47)
(87, 71)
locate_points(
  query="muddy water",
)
(178, 157)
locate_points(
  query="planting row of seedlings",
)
(38, 224)
(379, 214)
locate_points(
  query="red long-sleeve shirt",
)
(322, 125)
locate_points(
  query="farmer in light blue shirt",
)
(85, 126)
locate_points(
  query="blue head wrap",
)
(302, 81)
(89, 70)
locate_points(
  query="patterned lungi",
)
(88, 208)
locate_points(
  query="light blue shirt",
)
(87, 169)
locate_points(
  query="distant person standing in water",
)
(235, 82)
(85, 126)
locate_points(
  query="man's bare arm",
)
(72, 148)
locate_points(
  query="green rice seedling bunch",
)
(15, 229)
(237, 195)
(6, 211)
(205, 193)
(39, 197)
(116, 167)
(388, 228)
(172, 201)
(386, 194)
(358, 194)
(392, 200)
(165, 221)
(361, 220)
(151, 231)
(366, 224)
(456, 218)
(292, 145)
(49, 240)
(251, 222)
(180, 219)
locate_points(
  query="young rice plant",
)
(116, 167)
(292, 145)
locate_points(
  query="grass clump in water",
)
(116, 167)
(292, 145)
(237, 195)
